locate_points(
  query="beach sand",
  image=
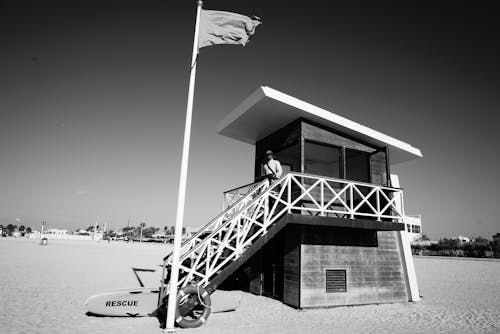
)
(43, 290)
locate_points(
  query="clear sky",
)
(93, 94)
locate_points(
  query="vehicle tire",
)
(200, 313)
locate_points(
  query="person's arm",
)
(279, 170)
(266, 170)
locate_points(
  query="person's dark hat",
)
(269, 152)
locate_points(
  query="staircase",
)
(254, 215)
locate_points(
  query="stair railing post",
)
(266, 211)
(238, 238)
(207, 260)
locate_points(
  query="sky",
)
(93, 99)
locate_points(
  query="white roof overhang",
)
(267, 110)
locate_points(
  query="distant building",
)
(413, 225)
(59, 232)
(35, 234)
(162, 236)
(420, 242)
(463, 240)
(64, 234)
(81, 232)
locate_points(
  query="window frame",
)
(341, 155)
(368, 161)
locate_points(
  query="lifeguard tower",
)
(329, 232)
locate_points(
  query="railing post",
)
(238, 234)
(351, 204)
(266, 212)
(402, 206)
(378, 204)
(207, 260)
(289, 190)
(162, 283)
(322, 197)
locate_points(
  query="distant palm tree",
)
(142, 225)
(10, 229)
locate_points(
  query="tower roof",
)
(267, 110)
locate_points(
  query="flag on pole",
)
(219, 27)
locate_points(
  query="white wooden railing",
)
(254, 208)
(232, 196)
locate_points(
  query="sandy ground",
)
(43, 289)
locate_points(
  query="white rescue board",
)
(140, 302)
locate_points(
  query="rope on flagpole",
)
(194, 63)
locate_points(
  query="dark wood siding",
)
(316, 133)
(378, 168)
(373, 274)
(292, 266)
(255, 278)
(273, 266)
(291, 293)
(295, 133)
(338, 236)
(377, 160)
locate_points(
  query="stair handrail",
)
(243, 209)
(259, 185)
(283, 180)
(229, 195)
(243, 186)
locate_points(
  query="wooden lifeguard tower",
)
(329, 232)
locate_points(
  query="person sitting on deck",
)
(272, 168)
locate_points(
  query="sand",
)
(43, 289)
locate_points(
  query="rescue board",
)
(140, 302)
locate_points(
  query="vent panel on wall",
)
(336, 281)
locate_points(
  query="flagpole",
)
(174, 275)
